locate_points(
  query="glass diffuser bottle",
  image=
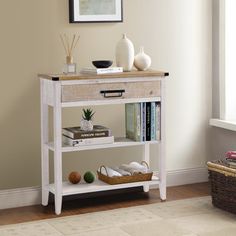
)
(70, 66)
(69, 47)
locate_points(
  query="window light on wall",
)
(227, 62)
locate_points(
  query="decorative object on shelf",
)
(74, 177)
(102, 63)
(81, 11)
(69, 47)
(89, 177)
(125, 54)
(142, 61)
(86, 121)
(138, 172)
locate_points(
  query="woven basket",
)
(223, 185)
(124, 179)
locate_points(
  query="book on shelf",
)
(148, 121)
(88, 141)
(133, 121)
(153, 121)
(100, 71)
(142, 121)
(78, 133)
(158, 121)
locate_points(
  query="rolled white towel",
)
(110, 172)
(130, 169)
(121, 171)
(140, 167)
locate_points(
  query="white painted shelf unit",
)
(59, 91)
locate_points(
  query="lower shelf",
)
(70, 189)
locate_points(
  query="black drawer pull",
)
(113, 93)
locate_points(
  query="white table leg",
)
(146, 158)
(162, 163)
(44, 149)
(57, 113)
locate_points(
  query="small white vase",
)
(142, 61)
(86, 125)
(125, 54)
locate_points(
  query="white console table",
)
(59, 91)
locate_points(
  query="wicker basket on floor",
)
(124, 179)
(223, 185)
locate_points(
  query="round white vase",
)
(142, 61)
(125, 54)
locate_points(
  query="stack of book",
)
(74, 136)
(143, 121)
(231, 159)
(100, 71)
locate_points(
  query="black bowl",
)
(102, 63)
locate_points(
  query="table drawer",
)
(85, 92)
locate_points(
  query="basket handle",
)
(102, 166)
(144, 163)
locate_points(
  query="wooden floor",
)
(102, 201)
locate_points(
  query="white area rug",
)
(189, 217)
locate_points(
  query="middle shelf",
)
(119, 142)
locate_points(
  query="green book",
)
(133, 121)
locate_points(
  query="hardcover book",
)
(77, 133)
(88, 141)
(148, 121)
(100, 71)
(158, 121)
(133, 121)
(144, 121)
(153, 121)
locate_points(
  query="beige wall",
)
(177, 36)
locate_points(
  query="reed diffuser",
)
(69, 47)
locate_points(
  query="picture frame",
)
(89, 11)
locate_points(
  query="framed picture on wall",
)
(85, 11)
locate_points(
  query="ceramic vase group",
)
(125, 56)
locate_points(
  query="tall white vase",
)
(125, 54)
(142, 61)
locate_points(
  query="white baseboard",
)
(20, 197)
(32, 195)
(187, 176)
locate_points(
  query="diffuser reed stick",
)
(64, 46)
(69, 46)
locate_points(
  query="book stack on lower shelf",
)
(143, 121)
(75, 136)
